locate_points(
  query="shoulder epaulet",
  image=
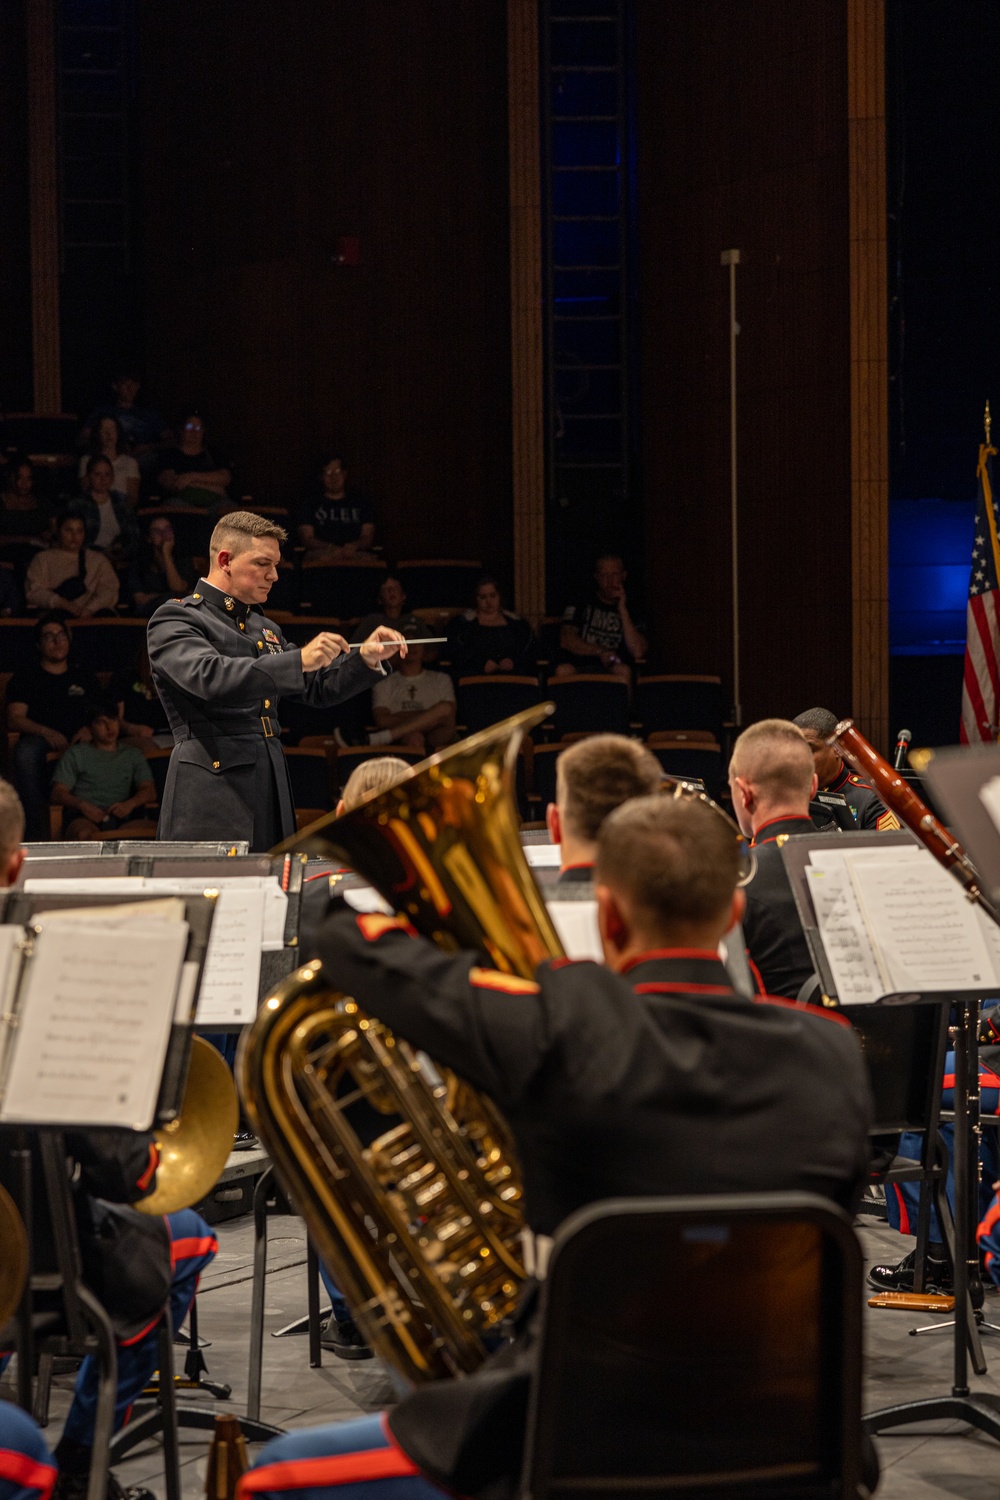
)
(857, 780)
(192, 599)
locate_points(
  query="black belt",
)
(270, 729)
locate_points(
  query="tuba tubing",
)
(899, 795)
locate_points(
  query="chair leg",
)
(257, 1299)
(43, 1389)
(167, 1399)
(104, 1424)
(312, 1302)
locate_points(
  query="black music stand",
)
(980, 1409)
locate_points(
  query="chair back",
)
(671, 701)
(486, 700)
(442, 581)
(346, 589)
(590, 703)
(649, 1382)
(312, 783)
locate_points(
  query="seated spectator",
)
(71, 576)
(144, 719)
(103, 782)
(10, 594)
(414, 707)
(143, 430)
(46, 707)
(109, 520)
(870, 812)
(772, 781)
(158, 574)
(108, 443)
(191, 473)
(391, 611)
(339, 526)
(600, 636)
(490, 638)
(24, 515)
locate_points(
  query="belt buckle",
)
(268, 731)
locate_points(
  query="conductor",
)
(220, 667)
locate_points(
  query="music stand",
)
(980, 1409)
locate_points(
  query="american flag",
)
(981, 687)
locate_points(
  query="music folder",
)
(98, 1005)
(966, 783)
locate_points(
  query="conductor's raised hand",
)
(322, 650)
(381, 644)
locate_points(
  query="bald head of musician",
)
(11, 834)
(771, 775)
(593, 777)
(665, 877)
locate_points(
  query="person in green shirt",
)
(103, 783)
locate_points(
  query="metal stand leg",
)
(168, 1409)
(43, 1389)
(257, 1300)
(107, 1395)
(312, 1302)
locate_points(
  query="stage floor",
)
(918, 1464)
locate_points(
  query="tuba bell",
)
(420, 1228)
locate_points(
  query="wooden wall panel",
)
(267, 136)
(743, 142)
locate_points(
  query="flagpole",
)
(731, 258)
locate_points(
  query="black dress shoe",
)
(899, 1278)
(71, 1483)
(344, 1339)
(245, 1140)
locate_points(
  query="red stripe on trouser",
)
(340, 1468)
(904, 1212)
(992, 1217)
(190, 1248)
(20, 1468)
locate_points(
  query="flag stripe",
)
(981, 678)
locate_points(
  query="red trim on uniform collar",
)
(654, 953)
(784, 818)
(581, 864)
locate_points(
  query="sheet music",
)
(93, 1022)
(989, 796)
(853, 961)
(97, 885)
(925, 932)
(231, 977)
(576, 924)
(275, 899)
(10, 967)
(543, 856)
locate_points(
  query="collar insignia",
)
(229, 603)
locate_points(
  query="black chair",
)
(690, 755)
(345, 589)
(904, 1047)
(589, 703)
(648, 1382)
(312, 785)
(438, 580)
(669, 701)
(486, 700)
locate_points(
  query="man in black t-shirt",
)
(600, 636)
(340, 522)
(46, 707)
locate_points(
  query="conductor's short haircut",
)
(598, 774)
(820, 720)
(372, 776)
(239, 530)
(675, 862)
(11, 821)
(776, 757)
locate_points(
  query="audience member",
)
(46, 708)
(600, 636)
(157, 573)
(71, 576)
(593, 777)
(817, 725)
(340, 525)
(490, 638)
(25, 515)
(143, 430)
(772, 780)
(108, 518)
(414, 707)
(144, 719)
(103, 782)
(391, 611)
(108, 443)
(191, 473)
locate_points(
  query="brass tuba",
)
(421, 1227)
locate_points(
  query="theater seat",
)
(488, 699)
(311, 781)
(690, 754)
(670, 702)
(430, 581)
(589, 703)
(349, 589)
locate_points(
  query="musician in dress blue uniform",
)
(221, 667)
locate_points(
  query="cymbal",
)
(194, 1148)
(13, 1256)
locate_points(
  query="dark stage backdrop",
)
(270, 133)
(16, 390)
(743, 143)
